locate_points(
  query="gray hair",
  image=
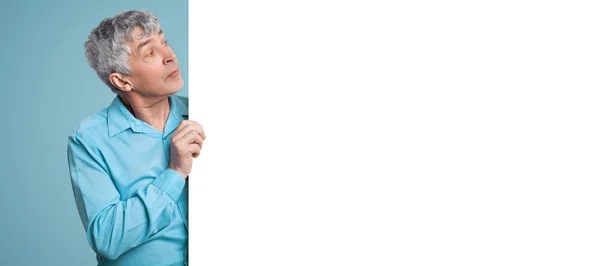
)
(106, 49)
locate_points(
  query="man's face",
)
(154, 67)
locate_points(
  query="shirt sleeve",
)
(114, 226)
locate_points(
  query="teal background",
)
(47, 89)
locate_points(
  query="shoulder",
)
(92, 125)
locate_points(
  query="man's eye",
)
(165, 43)
(150, 54)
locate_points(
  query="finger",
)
(198, 140)
(198, 129)
(191, 137)
(180, 131)
(195, 149)
(185, 127)
(201, 133)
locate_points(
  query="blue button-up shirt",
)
(133, 207)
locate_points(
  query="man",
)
(129, 162)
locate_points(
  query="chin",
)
(175, 90)
(175, 87)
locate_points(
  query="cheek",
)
(151, 76)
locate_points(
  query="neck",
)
(153, 111)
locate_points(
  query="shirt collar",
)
(179, 112)
(179, 105)
(120, 119)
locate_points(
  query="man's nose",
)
(169, 56)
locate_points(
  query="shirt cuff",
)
(170, 182)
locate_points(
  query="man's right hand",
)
(186, 143)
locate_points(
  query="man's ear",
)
(120, 81)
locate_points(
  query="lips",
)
(174, 73)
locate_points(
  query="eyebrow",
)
(139, 48)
